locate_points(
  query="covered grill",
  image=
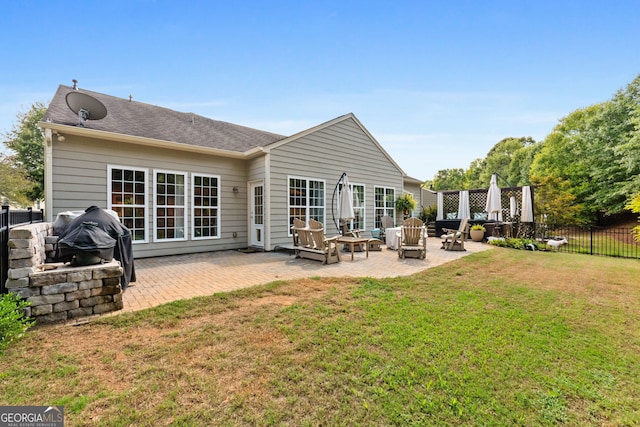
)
(94, 236)
(86, 244)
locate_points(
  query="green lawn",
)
(502, 337)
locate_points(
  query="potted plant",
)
(477, 232)
(405, 204)
(428, 214)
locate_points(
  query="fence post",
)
(4, 247)
(591, 240)
(30, 210)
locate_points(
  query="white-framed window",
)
(169, 203)
(127, 189)
(205, 206)
(359, 222)
(306, 199)
(384, 204)
(357, 192)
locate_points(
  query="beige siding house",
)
(183, 183)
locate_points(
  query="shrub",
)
(478, 227)
(13, 322)
(634, 206)
(502, 242)
(518, 243)
(428, 214)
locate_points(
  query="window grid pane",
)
(205, 202)
(128, 200)
(170, 205)
(306, 200)
(384, 204)
(358, 208)
(259, 205)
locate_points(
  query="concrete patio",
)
(164, 279)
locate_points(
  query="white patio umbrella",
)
(494, 202)
(345, 208)
(463, 205)
(440, 200)
(527, 205)
(513, 205)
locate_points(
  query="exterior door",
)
(257, 215)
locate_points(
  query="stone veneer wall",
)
(62, 293)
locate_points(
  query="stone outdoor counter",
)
(59, 292)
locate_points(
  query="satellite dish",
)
(86, 107)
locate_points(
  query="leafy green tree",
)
(630, 150)
(613, 176)
(596, 149)
(13, 184)
(634, 206)
(563, 155)
(520, 167)
(510, 157)
(448, 179)
(27, 141)
(472, 175)
(554, 202)
(500, 157)
(630, 153)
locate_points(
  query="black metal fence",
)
(4, 249)
(602, 241)
(8, 219)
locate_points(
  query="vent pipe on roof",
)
(75, 84)
(130, 98)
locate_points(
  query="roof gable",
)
(133, 118)
(349, 116)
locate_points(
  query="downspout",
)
(267, 201)
(48, 175)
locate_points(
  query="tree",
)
(630, 153)
(472, 175)
(634, 206)
(13, 184)
(555, 202)
(27, 141)
(499, 159)
(613, 176)
(448, 179)
(520, 167)
(625, 107)
(597, 150)
(563, 156)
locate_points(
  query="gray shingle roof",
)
(150, 121)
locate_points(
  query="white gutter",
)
(149, 142)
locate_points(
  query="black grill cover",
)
(86, 238)
(123, 250)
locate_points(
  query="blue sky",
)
(436, 83)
